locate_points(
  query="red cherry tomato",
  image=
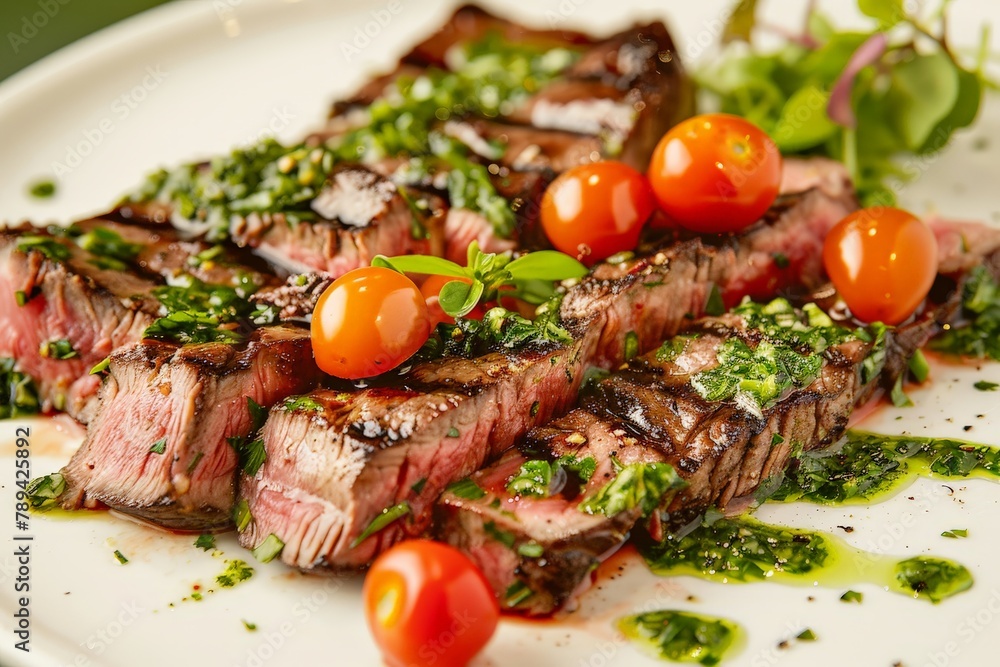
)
(883, 262)
(367, 322)
(715, 173)
(596, 210)
(427, 604)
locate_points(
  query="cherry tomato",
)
(367, 322)
(883, 262)
(596, 210)
(715, 173)
(427, 604)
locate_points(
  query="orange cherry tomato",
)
(715, 173)
(427, 604)
(596, 210)
(368, 321)
(883, 262)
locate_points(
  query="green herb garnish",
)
(51, 248)
(44, 189)
(806, 635)
(303, 404)
(43, 492)
(983, 385)
(18, 394)
(680, 636)
(267, 550)
(980, 337)
(205, 542)
(637, 485)
(857, 96)
(120, 557)
(956, 533)
(466, 489)
(235, 572)
(386, 517)
(158, 447)
(932, 578)
(241, 515)
(852, 596)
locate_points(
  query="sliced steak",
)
(539, 543)
(361, 214)
(338, 460)
(53, 290)
(158, 446)
(332, 472)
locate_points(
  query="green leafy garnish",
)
(530, 276)
(241, 515)
(198, 312)
(110, 250)
(18, 394)
(251, 627)
(303, 404)
(387, 517)
(858, 96)
(983, 385)
(120, 557)
(43, 492)
(852, 596)
(101, 366)
(251, 452)
(205, 542)
(899, 396)
(637, 485)
(919, 367)
(956, 533)
(158, 447)
(531, 550)
(267, 550)
(806, 635)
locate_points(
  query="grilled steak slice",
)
(651, 297)
(362, 214)
(96, 301)
(663, 408)
(338, 461)
(472, 24)
(158, 446)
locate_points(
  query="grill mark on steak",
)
(97, 310)
(194, 397)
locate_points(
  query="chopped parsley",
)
(49, 247)
(983, 385)
(43, 492)
(241, 515)
(932, 578)
(466, 489)
(251, 452)
(419, 485)
(637, 485)
(158, 447)
(58, 349)
(980, 337)
(110, 250)
(852, 596)
(44, 189)
(531, 550)
(385, 518)
(251, 627)
(453, 433)
(205, 542)
(534, 478)
(18, 394)
(956, 533)
(269, 549)
(303, 404)
(806, 635)
(120, 557)
(680, 636)
(236, 571)
(198, 312)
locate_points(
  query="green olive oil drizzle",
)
(746, 550)
(870, 467)
(681, 636)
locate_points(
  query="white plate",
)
(190, 79)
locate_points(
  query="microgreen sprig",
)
(530, 277)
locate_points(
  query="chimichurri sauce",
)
(870, 466)
(680, 636)
(746, 550)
